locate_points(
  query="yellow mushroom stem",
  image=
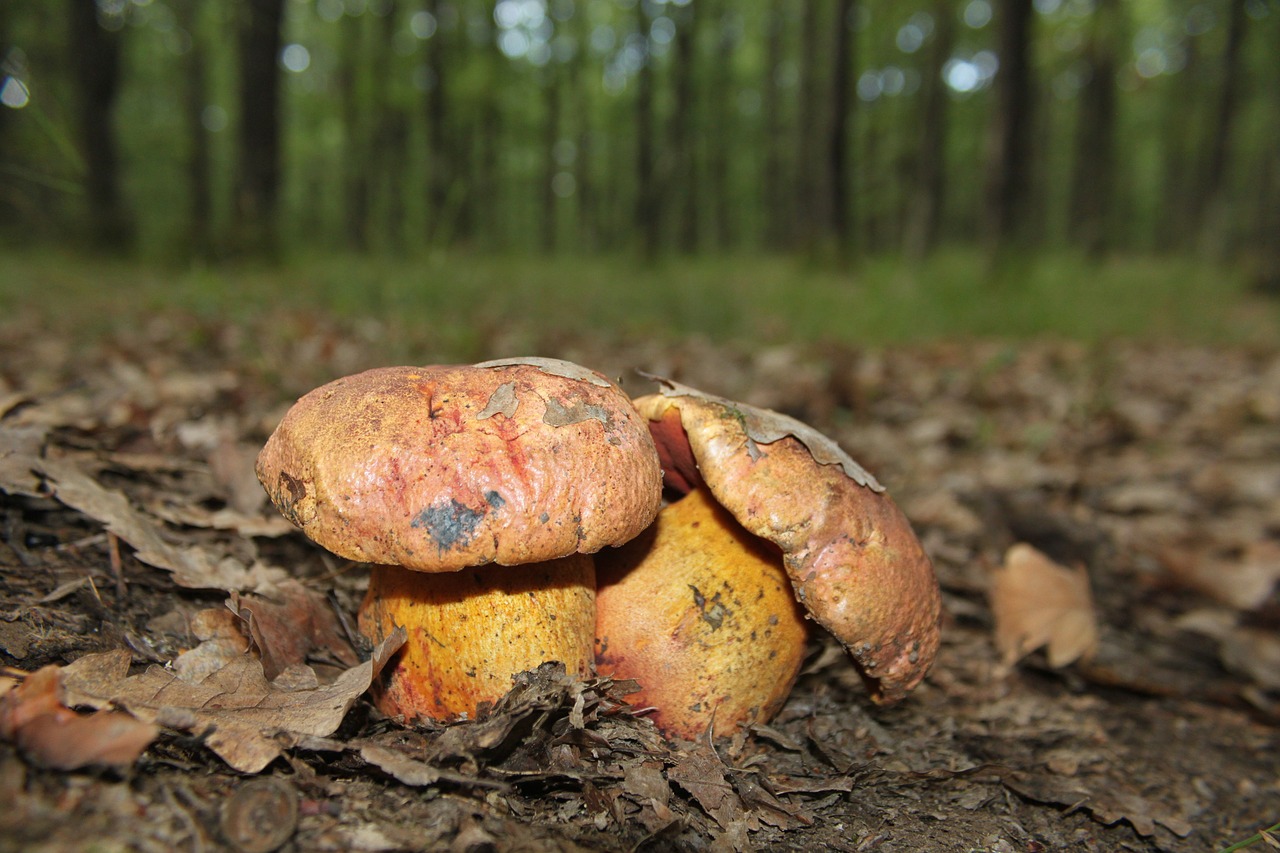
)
(470, 631)
(700, 612)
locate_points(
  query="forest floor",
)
(139, 557)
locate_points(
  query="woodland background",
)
(176, 129)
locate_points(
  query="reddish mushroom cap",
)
(444, 467)
(853, 559)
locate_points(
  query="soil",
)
(134, 534)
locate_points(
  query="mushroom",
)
(854, 562)
(433, 473)
(699, 612)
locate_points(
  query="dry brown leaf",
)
(34, 716)
(1244, 582)
(19, 459)
(236, 704)
(702, 774)
(291, 625)
(192, 567)
(1036, 603)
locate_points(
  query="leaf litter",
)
(141, 578)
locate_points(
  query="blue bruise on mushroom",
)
(451, 524)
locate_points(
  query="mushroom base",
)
(470, 631)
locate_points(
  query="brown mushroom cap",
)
(854, 562)
(444, 467)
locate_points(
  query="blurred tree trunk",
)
(777, 207)
(551, 166)
(928, 194)
(389, 144)
(439, 149)
(8, 204)
(1008, 155)
(683, 128)
(648, 195)
(195, 99)
(1094, 173)
(353, 101)
(839, 204)
(722, 138)
(1215, 223)
(812, 198)
(584, 179)
(95, 65)
(258, 176)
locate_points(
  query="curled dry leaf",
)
(34, 716)
(1036, 603)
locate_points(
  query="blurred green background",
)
(837, 169)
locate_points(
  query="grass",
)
(458, 299)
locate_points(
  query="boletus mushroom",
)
(479, 493)
(854, 563)
(699, 612)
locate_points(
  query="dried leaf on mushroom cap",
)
(553, 366)
(765, 426)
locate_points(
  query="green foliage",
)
(456, 305)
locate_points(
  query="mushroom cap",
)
(443, 467)
(854, 562)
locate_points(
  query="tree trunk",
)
(551, 167)
(439, 149)
(812, 199)
(928, 196)
(354, 106)
(839, 205)
(1008, 167)
(722, 139)
(258, 178)
(1094, 175)
(195, 98)
(683, 132)
(389, 145)
(1215, 225)
(648, 194)
(95, 64)
(775, 180)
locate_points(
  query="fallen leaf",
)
(192, 567)
(290, 625)
(702, 774)
(1244, 582)
(238, 708)
(34, 716)
(20, 459)
(1037, 602)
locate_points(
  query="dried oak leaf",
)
(291, 624)
(236, 706)
(192, 567)
(34, 716)
(1037, 602)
